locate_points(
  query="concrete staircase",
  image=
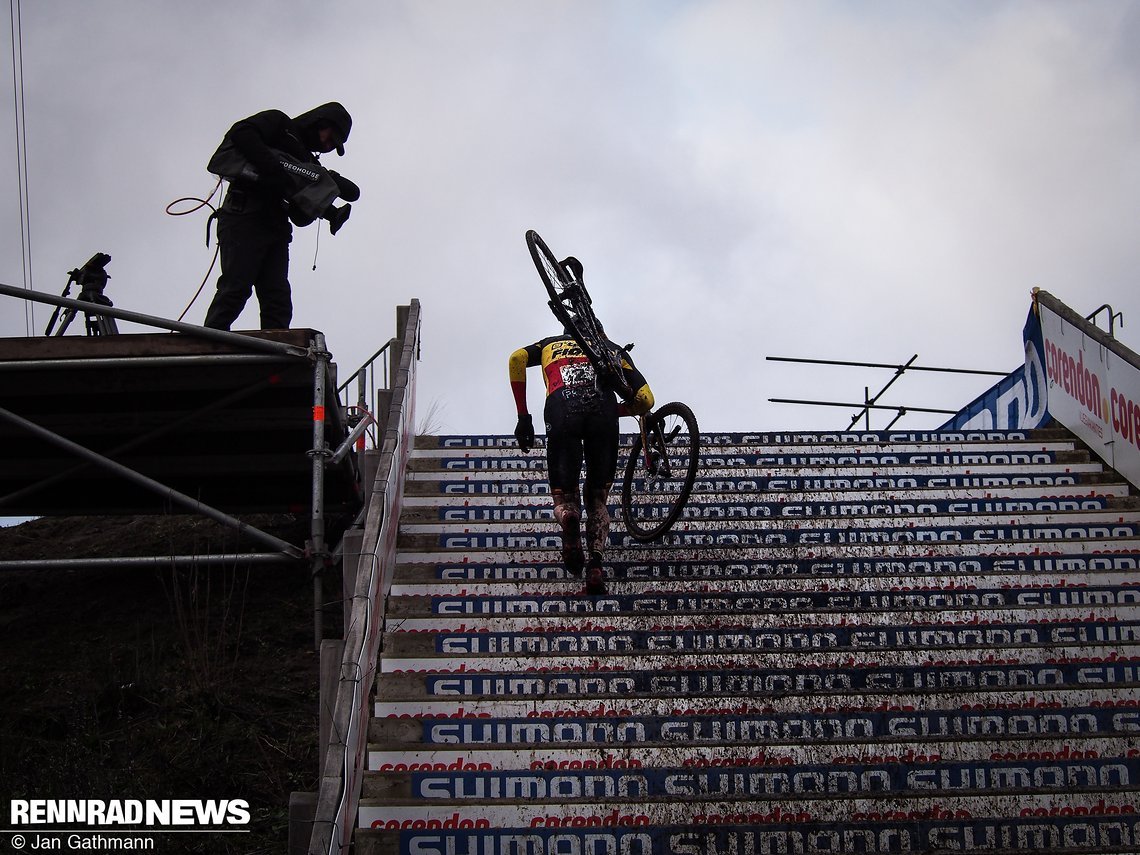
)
(853, 642)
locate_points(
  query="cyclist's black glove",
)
(524, 432)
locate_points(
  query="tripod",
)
(92, 279)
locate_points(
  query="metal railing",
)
(1113, 317)
(363, 413)
(871, 402)
(372, 397)
(247, 342)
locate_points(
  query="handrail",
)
(249, 342)
(364, 412)
(1112, 318)
(367, 365)
(346, 750)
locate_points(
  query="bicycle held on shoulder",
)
(662, 463)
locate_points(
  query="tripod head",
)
(92, 278)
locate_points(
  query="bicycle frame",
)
(650, 443)
(646, 444)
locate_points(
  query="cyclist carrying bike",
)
(581, 414)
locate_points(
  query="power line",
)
(22, 156)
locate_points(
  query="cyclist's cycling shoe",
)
(595, 577)
(574, 559)
(571, 522)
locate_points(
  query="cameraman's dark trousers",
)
(254, 249)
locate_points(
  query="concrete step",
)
(781, 596)
(951, 445)
(507, 442)
(718, 520)
(762, 649)
(396, 761)
(943, 711)
(423, 509)
(682, 547)
(932, 824)
(772, 481)
(504, 578)
(837, 682)
(746, 461)
(534, 468)
(764, 779)
(1019, 714)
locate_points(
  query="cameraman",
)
(254, 231)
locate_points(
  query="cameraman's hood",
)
(333, 113)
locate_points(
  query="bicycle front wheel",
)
(658, 484)
(565, 294)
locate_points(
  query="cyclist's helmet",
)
(572, 266)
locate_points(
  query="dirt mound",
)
(156, 682)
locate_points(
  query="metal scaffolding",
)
(199, 420)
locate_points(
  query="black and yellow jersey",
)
(568, 372)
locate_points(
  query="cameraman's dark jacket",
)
(255, 137)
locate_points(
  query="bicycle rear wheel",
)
(654, 493)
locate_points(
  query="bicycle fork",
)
(656, 462)
(656, 456)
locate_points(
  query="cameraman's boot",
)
(336, 217)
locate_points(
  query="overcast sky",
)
(858, 181)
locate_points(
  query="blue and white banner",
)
(1017, 401)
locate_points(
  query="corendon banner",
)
(1093, 385)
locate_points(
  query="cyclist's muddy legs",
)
(568, 515)
(597, 519)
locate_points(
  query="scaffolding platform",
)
(229, 426)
